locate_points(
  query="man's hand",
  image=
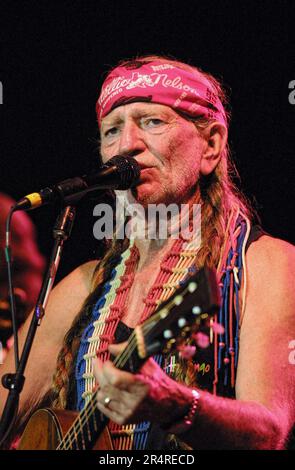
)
(147, 396)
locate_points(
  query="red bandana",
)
(162, 83)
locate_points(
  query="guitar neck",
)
(91, 422)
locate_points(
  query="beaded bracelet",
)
(185, 423)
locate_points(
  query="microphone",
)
(120, 172)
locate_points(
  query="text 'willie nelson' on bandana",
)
(162, 83)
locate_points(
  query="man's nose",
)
(131, 139)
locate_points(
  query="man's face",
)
(167, 147)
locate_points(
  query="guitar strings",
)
(86, 413)
(119, 362)
(90, 408)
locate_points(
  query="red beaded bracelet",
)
(185, 423)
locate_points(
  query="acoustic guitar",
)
(190, 309)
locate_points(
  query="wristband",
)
(186, 422)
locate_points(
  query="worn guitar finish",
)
(47, 428)
(192, 306)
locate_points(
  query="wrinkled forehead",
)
(162, 83)
(137, 110)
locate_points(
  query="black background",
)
(53, 55)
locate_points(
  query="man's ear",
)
(215, 137)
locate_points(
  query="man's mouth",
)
(145, 166)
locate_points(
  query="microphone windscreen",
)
(128, 170)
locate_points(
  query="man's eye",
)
(153, 122)
(111, 132)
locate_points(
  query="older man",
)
(171, 118)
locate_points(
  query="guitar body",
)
(47, 427)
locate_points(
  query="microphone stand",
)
(15, 382)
